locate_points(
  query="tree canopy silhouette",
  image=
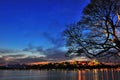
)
(97, 34)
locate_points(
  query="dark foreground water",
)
(95, 74)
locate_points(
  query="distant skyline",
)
(30, 30)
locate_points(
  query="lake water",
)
(95, 74)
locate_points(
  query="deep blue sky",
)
(30, 23)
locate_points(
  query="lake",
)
(95, 74)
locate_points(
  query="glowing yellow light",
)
(118, 16)
(93, 62)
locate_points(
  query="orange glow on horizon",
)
(37, 63)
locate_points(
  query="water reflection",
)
(95, 74)
(99, 74)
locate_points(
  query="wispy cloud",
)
(20, 59)
(51, 54)
(34, 53)
(4, 51)
(55, 41)
(31, 59)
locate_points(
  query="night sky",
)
(30, 30)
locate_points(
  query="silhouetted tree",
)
(97, 34)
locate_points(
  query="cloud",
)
(56, 41)
(4, 51)
(39, 49)
(52, 53)
(35, 50)
(29, 47)
(48, 37)
(20, 59)
(31, 59)
(15, 56)
(34, 53)
(31, 54)
(32, 48)
(55, 54)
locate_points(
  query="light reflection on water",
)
(95, 74)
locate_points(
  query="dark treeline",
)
(49, 66)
